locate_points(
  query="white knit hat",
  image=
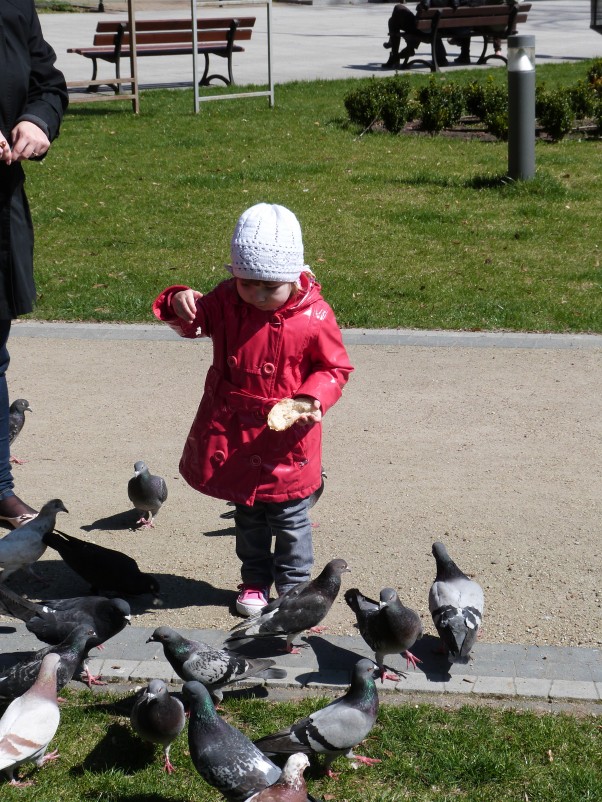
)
(267, 245)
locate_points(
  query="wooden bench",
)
(489, 22)
(169, 37)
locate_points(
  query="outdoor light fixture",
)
(521, 106)
(596, 23)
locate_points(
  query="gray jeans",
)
(292, 560)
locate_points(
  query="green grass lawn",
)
(428, 754)
(402, 231)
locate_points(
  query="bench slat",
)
(108, 40)
(176, 24)
(491, 21)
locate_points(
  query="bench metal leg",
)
(92, 87)
(206, 78)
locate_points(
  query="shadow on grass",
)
(120, 750)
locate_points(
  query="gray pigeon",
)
(30, 722)
(302, 607)
(222, 755)
(215, 668)
(147, 493)
(24, 546)
(16, 421)
(335, 729)
(456, 603)
(72, 651)
(387, 626)
(158, 717)
(291, 785)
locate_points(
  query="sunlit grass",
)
(428, 754)
(402, 231)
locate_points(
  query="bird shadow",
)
(118, 749)
(59, 581)
(120, 520)
(434, 663)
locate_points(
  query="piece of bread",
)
(286, 412)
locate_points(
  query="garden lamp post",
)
(521, 106)
(596, 23)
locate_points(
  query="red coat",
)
(259, 358)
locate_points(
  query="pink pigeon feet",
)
(90, 679)
(146, 523)
(384, 674)
(370, 761)
(318, 630)
(50, 756)
(169, 766)
(17, 461)
(410, 658)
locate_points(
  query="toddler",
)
(273, 337)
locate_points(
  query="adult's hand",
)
(29, 141)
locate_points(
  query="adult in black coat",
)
(33, 99)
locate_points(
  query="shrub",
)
(386, 100)
(489, 102)
(583, 99)
(442, 105)
(555, 112)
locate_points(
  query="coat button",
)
(219, 457)
(232, 361)
(268, 368)
(276, 320)
(255, 460)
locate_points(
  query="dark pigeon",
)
(53, 620)
(456, 603)
(147, 493)
(16, 421)
(222, 755)
(16, 418)
(215, 668)
(158, 717)
(105, 569)
(335, 729)
(303, 607)
(387, 626)
(291, 785)
(24, 546)
(73, 650)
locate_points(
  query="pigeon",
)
(291, 785)
(16, 421)
(24, 546)
(30, 722)
(72, 651)
(53, 620)
(313, 500)
(158, 717)
(300, 608)
(387, 626)
(215, 668)
(335, 729)
(147, 493)
(103, 568)
(456, 603)
(222, 755)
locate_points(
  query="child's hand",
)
(315, 416)
(183, 304)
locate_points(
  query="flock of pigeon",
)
(241, 770)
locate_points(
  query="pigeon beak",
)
(128, 618)
(151, 640)
(382, 605)
(28, 409)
